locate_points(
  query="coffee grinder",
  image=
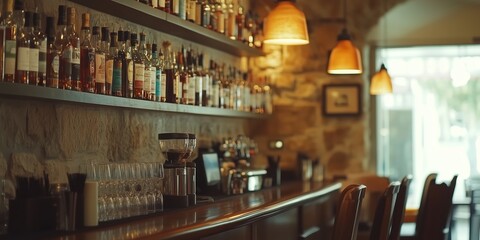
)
(175, 148)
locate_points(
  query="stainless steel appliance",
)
(177, 148)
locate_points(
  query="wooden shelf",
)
(147, 16)
(24, 91)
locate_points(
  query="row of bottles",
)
(228, 17)
(118, 63)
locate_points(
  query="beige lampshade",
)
(381, 82)
(285, 25)
(345, 58)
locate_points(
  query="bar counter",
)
(208, 219)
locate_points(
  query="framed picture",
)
(341, 99)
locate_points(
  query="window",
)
(432, 121)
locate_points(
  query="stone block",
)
(26, 165)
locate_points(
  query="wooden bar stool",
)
(383, 213)
(399, 210)
(346, 220)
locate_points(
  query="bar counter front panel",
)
(244, 216)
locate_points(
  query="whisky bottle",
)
(206, 11)
(240, 22)
(183, 75)
(182, 9)
(198, 81)
(34, 50)
(168, 6)
(152, 74)
(22, 65)
(116, 59)
(175, 7)
(191, 78)
(87, 56)
(99, 61)
(64, 46)
(8, 42)
(109, 59)
(177, 85)
(161, 5)
(191, 10)
(143, 49)
(170, 94)
(198, 12)
(127, 73)
(53, 55)
(75, 43)
(122, 57)
(138, 68)
(231, 23)
(156, 61)
(101, 51)
(220, 16)
(205, 81)
(42, 54)
(215, 98)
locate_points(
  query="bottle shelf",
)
(147, 16)
(24, 91)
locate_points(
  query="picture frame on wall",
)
(341, 100)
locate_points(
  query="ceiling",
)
(426, 22)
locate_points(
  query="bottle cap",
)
(86, 21)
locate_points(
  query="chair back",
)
(346, 220)
(436, 206)
(399, 209)
(383, 213)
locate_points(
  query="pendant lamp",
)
(285, 25)
(381, 82)
(345, 58)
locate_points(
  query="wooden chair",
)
(433, 216)
(399, 210)
(346, 220)
(383, 213)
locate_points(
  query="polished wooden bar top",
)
(209, 218)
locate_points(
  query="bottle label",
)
(10, 56)
(158, 82)
(33, 64)
(139, 75)
(198, 84)
(75, 64)
(177, 86)
(176, 6)
(42, 57)
(153, 84)
(109, 71)
(198, 14)
(23, 61)
(130, 75)
(161, 3)
(191, 10)
(163, 85)
(155, 3)
(205, 83)
(147, 80)
(100, 68)
(117, 79)
(191, 89)
(67, 59)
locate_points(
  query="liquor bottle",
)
(175, 7)
(198, 81)
(34, 50)
(198, 12)
(22, 65)
(206, 11)
(75, 43)
(240, 21)
(109, 61)
(153, 73)
(182, 9)
(220, 16)
(143, 49)
(267, 93)
(205, 81)
(87, 56)
(115, 52)
(42, 54)
(183, 75)
(65, 47)
(154, 3)
(168, 6)
(156, 61)
(161, 5)
(53, 55)
(99, 61)
(8, 43)
(19, 14)
(177, 85)
(127, 64)
(138, 68)
(101, 69)
(246, 93)
(215, 92)
(122, 57)
(231, 23)
(191, 10)
(170, 94)
(191, 78)
(213, 86)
